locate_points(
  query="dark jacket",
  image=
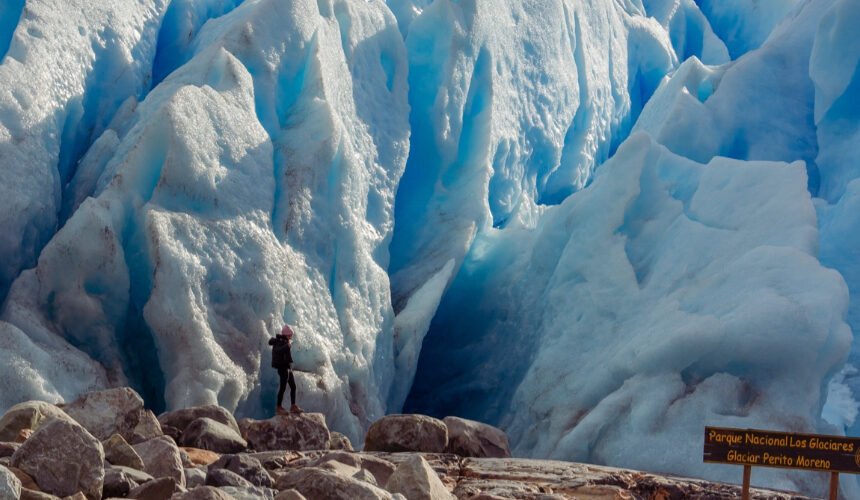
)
(281, 356)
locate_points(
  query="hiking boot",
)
(281, 411)
(296, 409)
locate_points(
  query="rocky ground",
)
(107, 445)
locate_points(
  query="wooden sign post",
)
(750, 447)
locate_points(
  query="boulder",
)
(204, 493)
(77, 496)
(399, 433)
(416, 480)
(10, 486)
(301, 432)
(340, 442)
(248, 467)
(158, 489)
(366, 476)
(173, 432)
(28, 415)
(119, 452)
(138, 476)
(147, 428)
(290, 495)
(117, 483)
(36, 495)
(161, 459)
(181, 419)
(108, 412)
(63, 458)
(208, 434)
(223, 477)
(194, 477)
(26, 480)
(313, 482)
(469, 438)
(200, 457)
(249, 492)
(380, 468)
(8, 449)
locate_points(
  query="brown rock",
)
(26, 480)
(415, 480)
(208, 434)
(119, 452)
(313, 482)
(469, 438)
(157, 489)
(108, 412)
(161, 459)
(340, 442)
(380, 468)
(117, 483)
(23, 435)
(399, 433)
(76, 496)
(28, 415)
(181, 419)
(306, 431)
(200, 457)
(63, 458)
(36, 495)
(246, 466)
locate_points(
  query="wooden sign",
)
(783, 450)
(751, 447)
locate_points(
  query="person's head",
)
(287, 332)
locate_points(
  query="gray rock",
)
(147, 428)
(340, 442)
(138, 476)
(416, 480)
(8, 449)
(28, 415)
(469, 438)
(207, 434)
(302, 432)
(119, 452)
(249, 493)
(10, 486)
(204, 493)
(63, 458)
(366, 476)
(313, 482)
(223, 477)
(117, 483)
(290, 495)
(399, 433)
(157, 489)
(380, 468)
(161, 459)
(194, 477)
(181, 419)
(108, 412)
(248, 467)
(173, 432)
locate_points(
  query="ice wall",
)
(513, 106)
(666, 296)
(254, 185)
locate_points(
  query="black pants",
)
(286, 375)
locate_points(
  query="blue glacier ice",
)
(599, 225)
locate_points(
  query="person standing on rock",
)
(282, 360)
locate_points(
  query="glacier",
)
(600, 225)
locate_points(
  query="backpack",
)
(281, 357)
